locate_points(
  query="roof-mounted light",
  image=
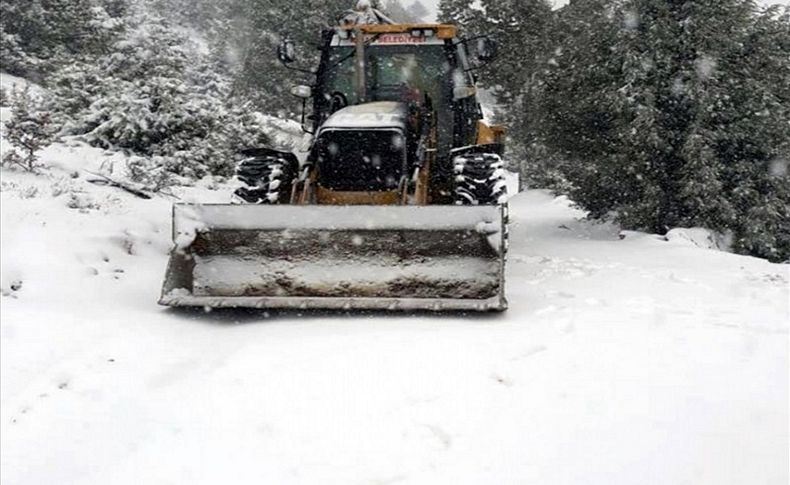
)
(423, 32)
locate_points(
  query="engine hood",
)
(377, 115)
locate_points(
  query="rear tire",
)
(267, 180)
(480, 179)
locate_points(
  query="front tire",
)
(267, 179)
(480, 179)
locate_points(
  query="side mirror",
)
(304, 92)
(486, 49)
(286, 51)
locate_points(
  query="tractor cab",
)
(420, 65)
(413, 65)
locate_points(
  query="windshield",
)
(393, 73)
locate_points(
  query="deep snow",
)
(624, 359)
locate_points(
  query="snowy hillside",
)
(652, 349)
(622, 360)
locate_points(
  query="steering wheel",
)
(337, 101)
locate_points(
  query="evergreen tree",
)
(580, 117)
(668, 114)
(717, 115)
(36, 36)
(262, 78)
(157, 96)
(522, 29)
(458, 12)
(28, 131)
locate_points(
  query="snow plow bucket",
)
(440, 258)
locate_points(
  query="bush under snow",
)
(156, 96)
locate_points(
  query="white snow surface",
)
(232, 275)
(620, 361)
(379, 114)
(10, 83)
(336, 217)
(699, 237)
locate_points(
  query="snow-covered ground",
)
(621, 361)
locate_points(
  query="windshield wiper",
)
(354, 52)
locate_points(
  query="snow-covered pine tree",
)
(717, 114)
(116, 9)
(756, 149)
(37, 36)
(21, 48)
(668, 114)
(74, 87)
(459, 12)
(157, 96)
(28, 131)
(262, 78)
(578, 119)
(516, 80)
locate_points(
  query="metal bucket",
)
(338, 257)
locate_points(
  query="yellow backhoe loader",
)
(400, 204)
